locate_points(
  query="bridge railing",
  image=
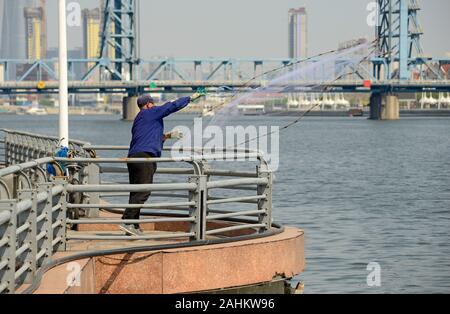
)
(37, 216)
(208, 69)
(2, 153)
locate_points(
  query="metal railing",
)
(2, 153)
(32, 228)
(36, 209)
(20, 147)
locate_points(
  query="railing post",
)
(91, 175)
(199, 196)
(46, 224)
(15, 186)
(265, 205)
(6, 147)
(27, 148)
(59, 215)
(28, 236)
(19, 148)
(13, 149)
(10, 149)
(19, 155)
(7, 275)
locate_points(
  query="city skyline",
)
(268, 28)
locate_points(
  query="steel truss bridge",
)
(180, 87)
(398, 64)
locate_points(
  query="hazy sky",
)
(256, 28)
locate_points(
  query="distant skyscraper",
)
(13, 32)
(44, 43)
(298, 33)
(91, 33)
(35, 48)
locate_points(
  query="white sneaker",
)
(130, 230)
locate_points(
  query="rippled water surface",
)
(363, 191)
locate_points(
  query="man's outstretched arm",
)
(173, 106)
(177, 105)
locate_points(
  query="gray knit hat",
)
(144, 100)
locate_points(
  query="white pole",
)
(63, 88)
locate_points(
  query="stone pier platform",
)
(205, 268)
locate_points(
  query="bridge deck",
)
(225, 86)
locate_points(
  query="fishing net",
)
(308, 80)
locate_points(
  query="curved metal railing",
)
(210, 202)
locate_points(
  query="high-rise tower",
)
(91, 33)
(13, 32)
(298, 33)
(44, 43)
(33, 33)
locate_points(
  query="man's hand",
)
(175, 134)
(199, 94)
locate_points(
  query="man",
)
(147, 142)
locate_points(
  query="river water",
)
(363, 191)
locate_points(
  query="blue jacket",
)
(148, 127)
